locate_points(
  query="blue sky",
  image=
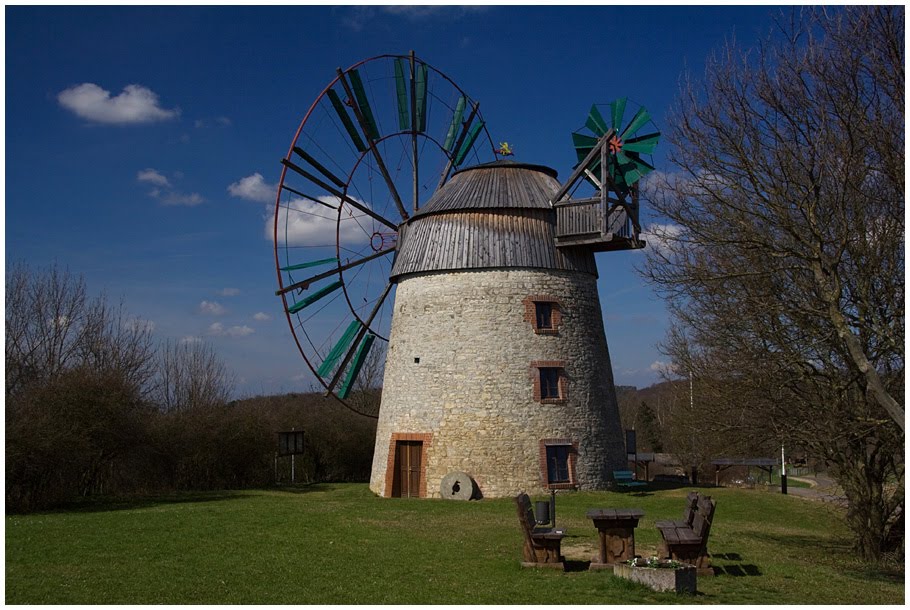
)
(134, 137)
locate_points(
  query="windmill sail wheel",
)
(378, 141)
(625, 165)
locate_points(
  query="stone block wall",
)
(463, 363)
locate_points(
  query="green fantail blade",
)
(641, 117)
(596, 122)
(617, 109)
(642, 144)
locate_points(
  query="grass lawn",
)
(340, 544)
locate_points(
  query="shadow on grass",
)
(303, 488)
(109, 504)
(575, 565)
(881, 573)
(728, 556)
(741, 569)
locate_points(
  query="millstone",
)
(457, 486)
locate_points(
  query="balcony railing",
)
(596, 224)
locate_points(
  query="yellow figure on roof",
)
(504, 149)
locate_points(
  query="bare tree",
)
(76, 373)
(783, 262)
(53, 326)
(191, 376)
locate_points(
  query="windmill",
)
(398, 224)
(377, 142)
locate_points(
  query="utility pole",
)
(694, 476)
(783, 472)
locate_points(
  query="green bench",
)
(626, 478)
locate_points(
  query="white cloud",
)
(304, 222)
(664, 368)
(261, 316)
(189, 340)
(152, 176)
(178, 198)
(217, 329)
(229, 292)
(254, 188)
(661, 236)
(212, 308)
(164, 191)
(59, 322)
(136, 104)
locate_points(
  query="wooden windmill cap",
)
(500, 184)
(490, 216)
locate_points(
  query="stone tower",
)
(497, 364)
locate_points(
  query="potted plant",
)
(658, 574)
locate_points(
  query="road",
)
(823, 489)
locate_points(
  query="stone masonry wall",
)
(461, 367)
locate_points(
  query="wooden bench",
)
(689, 543)
(688, 513)
(541, 545)
(626, 478)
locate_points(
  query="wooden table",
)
(616, 527)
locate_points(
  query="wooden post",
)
(553, 507)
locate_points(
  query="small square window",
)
(549, 382)
(558, 464)
(544, 312)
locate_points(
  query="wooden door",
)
(406, 480)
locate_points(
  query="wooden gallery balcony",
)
(598, 224)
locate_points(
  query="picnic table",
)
(616, 527)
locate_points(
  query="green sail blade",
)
(364, 104)
(421, 86)
(346, 121)
(469, 142)
(456, 121)
(331, 360)
(322, 261)
(359, 358)
(314, 297)
(401, 88)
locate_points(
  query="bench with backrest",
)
(689, 543)
(626, 478)
(541, 545)
(688, 513)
